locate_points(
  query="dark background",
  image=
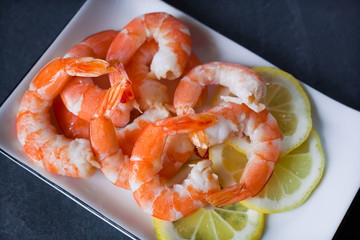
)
(317, 41)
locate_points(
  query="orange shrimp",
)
(38, 137)
(193, 62)
(170, 202)
(244, 83)
(177, 150)
(149, 92)
(95, 46)
(153, 98)
(113, 146)
(71, 125)
(103, 139)
(81, 96)
(263, 132)
(172, 36)
(128, 135)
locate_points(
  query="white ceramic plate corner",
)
(338, 132)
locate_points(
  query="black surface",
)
(317, 41)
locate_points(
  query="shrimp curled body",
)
(80, 95)
(263, 132)
(244, 83)
(38, 137)
(153, 99)
(172, 36)
(169, 202)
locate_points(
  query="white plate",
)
(337, 125)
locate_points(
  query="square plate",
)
(338, 133)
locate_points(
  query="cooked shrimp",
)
(172, 36)
(177, 150)
(71, 125)
(155, 198)
(128, 135)
(263, 132)
(113, 146)
(38, 137)
(114, 164)
(149, 92)
(81, 96)
(193, 62)
(244, 83)
(153, 98)
(95, 45)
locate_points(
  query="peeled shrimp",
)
(128, 135)
(244, 83)
(80, 95)
(153, 99)
(113, 150)
(155, 198)
(38, 137)
(114, 164)
(71, 125)
(148, 91)
(172, 36)
(95, 45)
(264, 135)
(178, 148)
(194, 61)
(114, 146)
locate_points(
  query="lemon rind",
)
(316, 172)
(253, 230)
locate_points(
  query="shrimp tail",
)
(87, 67)
(229, 195)
(120, 75)
(187, 123)
(257, 173)
(200, 141)
(113, 97)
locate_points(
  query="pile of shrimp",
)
(115, 113)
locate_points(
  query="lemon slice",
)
(286, 101)
(233, 221)
(295, 175)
